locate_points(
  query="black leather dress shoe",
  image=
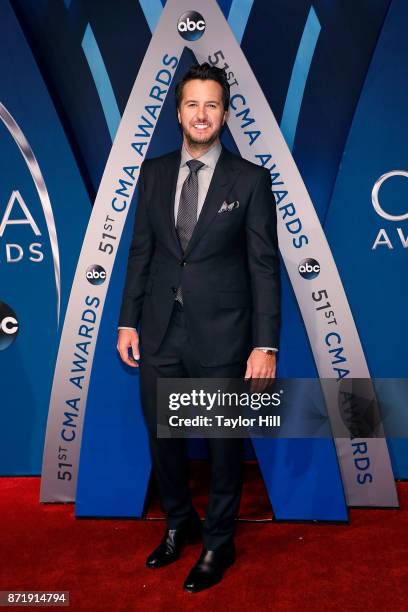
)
(173, 541)
(209, 568)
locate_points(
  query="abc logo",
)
(191, 25)
(96, 275)
(309, 268)
(8, 326)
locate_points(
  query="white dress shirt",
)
(204, 175)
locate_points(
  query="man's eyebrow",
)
(207, 101)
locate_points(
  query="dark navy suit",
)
(230, 281)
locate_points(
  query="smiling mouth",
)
(201, 126)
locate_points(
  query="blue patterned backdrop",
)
(67, 70)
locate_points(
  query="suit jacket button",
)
(183, 263)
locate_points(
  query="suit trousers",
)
(177, 358)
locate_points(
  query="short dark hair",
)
(205, 72)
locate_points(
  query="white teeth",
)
(200, 126)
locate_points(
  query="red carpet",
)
(322, 567)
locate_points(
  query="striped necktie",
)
(187, 210)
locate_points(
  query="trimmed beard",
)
(207, 141)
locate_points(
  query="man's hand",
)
(128, 338)
(261, 366)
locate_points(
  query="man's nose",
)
(202, 113)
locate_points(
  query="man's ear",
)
(225, 117)
(178, 116)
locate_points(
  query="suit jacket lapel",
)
(224, 175)
(168, 182)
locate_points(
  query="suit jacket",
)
(229, 273)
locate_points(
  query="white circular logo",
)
(374, 196)
(191, 25)
(96, 275)
(8, 326)
(309, 268)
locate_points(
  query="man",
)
(203, 282)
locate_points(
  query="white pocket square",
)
(228, 206)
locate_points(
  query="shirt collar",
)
(209, 158)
